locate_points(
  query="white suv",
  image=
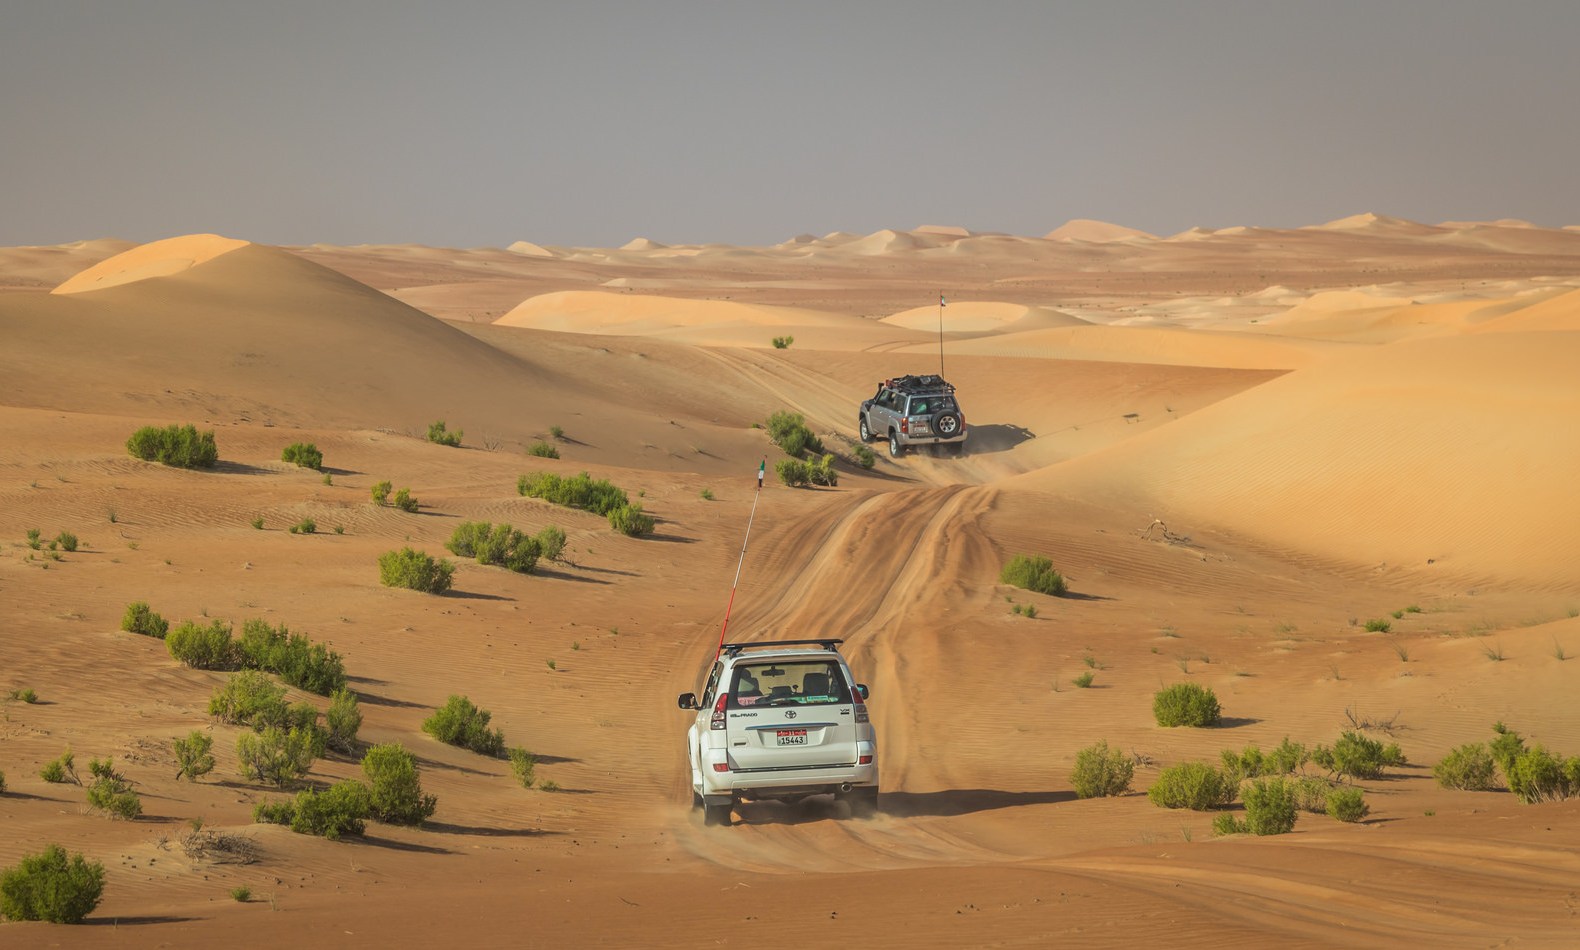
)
(780, 719)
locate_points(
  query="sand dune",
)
(1097, 232)
(1334, 425)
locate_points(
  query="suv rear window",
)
(799, 683)
(931, 404)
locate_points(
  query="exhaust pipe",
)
(844, 786)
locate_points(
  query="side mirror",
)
(862, 689)
(688, 701)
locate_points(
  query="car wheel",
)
(717, 814)
(895, 448)
(947, 424)
(863, 802)
(866, 433)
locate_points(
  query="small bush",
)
(111, 793)
(275, 755)
(305, 526)
(300, 662)
(1347, 804)
(630, 520)
(1033, 573)
(67, 541)
(1311, 793)
(500, 545)
(1185, 704)
(274, 813)
(34, 537)
(50, 886)
(140, 618)
(405, 502)
(524, 765)
(415, 571)
(1269, 806)
(257, 523)
(438, 434)
(193, 756)
(865, 457)
(556, 433)
(543, 450)
(250, 698)
(1193, 785)
(341, 809)
(60, 771)
(178, 446)
(580, 491)
(1469, 767)
(793, 472)
(395, 788)
(1084, 681)
(1101, 771)
(788, 430)
(1357, 756)
(344, 719)
(203, 647)
(460, 723)
(1537, 775)
(1227, 824)
(551, 543)
(305, 455)
(1378, 626)
(783, 342)
(241, 894)
(26, 694)
(381, 492)
(822, 472)
(1505, 748)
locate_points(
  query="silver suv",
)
(780, 720)
(914, 410)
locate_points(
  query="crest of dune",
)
(158, 259)
(972, 316)
(641, 244)
(529, 249)
(943, 230)
(1095, 232)
(1379, 224)
(583, 311)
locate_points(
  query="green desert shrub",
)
(551, 543)
(1469, 767)
(194, 758)
(343, 719)
(793, 472)
(1357, 756)
(66, 540)
(396, 789)
(203, 647)
(2, 783)
(579, 491)
(543, 449)
(60, 771)
(1101, 771)
(492, 544)
(179, 446)
(276, 756)
(25, 694)
(865, 457)
(1186, 704)
(34, 538)
(631, 521)
(305, 526)
(300, 662)
(1269, 806)
(1537, 775)
(1378, 626)
(440, 435)
(523, 765)
(274, 813)
(1035, 573)
(303, 454)
(783, 342)
(1505, 747)
(1311, 793)
(1194, 785)
(460, 723)
(415, 571)
(140, 618)
(381, 492)
(51, 886)
(110, 792)
(241, 894)
(341, 809)
(250, 698)
(789, 431)
(822, 472)
(405, 502)
(1347, 804)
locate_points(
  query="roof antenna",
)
(941, 303)
(762, 469)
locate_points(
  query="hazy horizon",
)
(489, 123)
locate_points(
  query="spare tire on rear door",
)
(946, 424)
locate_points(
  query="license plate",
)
(791, 736)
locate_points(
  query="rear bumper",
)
(807, 781)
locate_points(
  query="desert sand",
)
(1239, 445)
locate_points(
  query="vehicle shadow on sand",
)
(944, 804)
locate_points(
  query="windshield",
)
(798, 683)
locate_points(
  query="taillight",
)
(861, 708)
(718, 712)
(864, 760)
(905, 426)
(725, 766)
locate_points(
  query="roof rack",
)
(919, 384)
(731, 649)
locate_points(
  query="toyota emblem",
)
(789, 713)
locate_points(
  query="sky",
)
(477, 124)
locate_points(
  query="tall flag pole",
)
(762, 469)
(941, 303)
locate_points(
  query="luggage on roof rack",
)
(929, 383)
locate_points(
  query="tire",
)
(863, 802)
(717, 814)
(946, 424)
(895, 448)
(696, 801)
(866, 433)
